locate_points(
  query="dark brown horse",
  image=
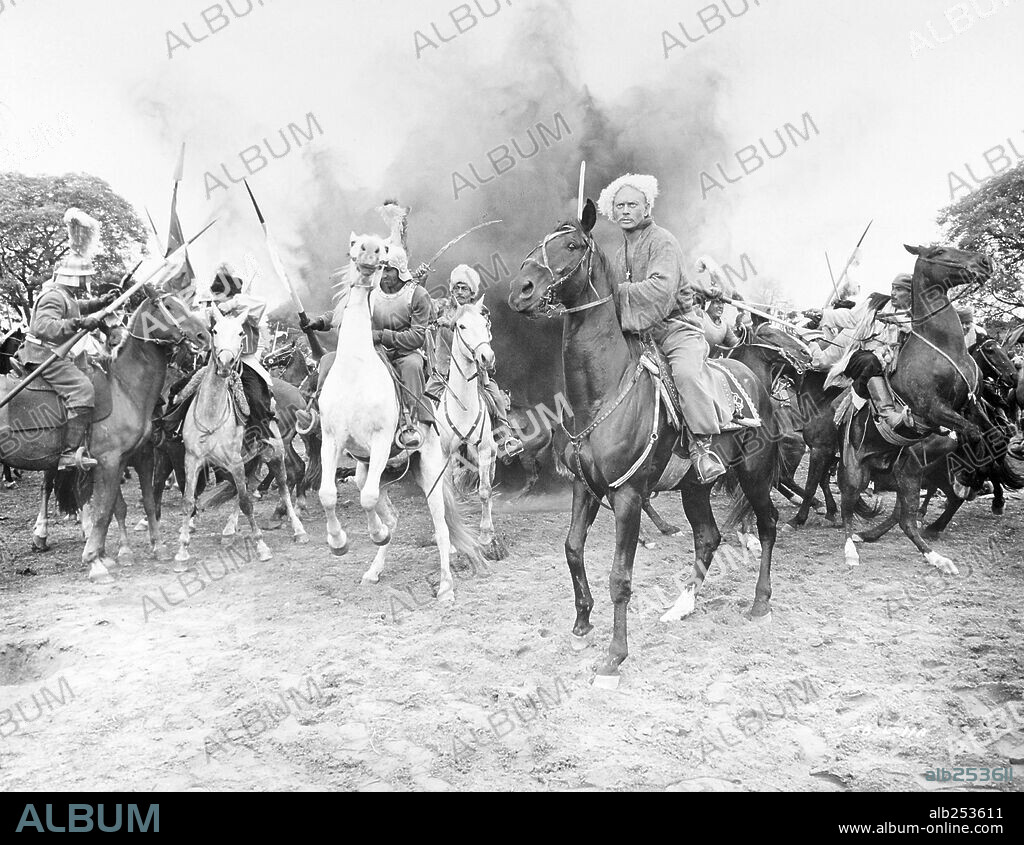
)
(160, 323)
(938, 380)
(622, 445)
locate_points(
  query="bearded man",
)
(655, 296)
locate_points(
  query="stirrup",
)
(408, 437)
(77, 459)
(510, 447)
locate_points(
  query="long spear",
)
(849, 261)
(275, 260)
(168, 268)
(832, 276)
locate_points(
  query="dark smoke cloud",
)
(667, 129)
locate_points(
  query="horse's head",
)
(783, 350)
(558, 270)
(228, 333)
(472, 335)
(995, 363)
(947, 267)
(366, 252)
(165, 318)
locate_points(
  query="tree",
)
(991, 220)
(33, 236)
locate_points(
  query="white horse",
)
(214, 432)
(463, 417)
(359, 414)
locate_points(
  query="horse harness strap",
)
(972, 397)
(577, 439)
(464, 437)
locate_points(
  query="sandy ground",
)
(291, 675)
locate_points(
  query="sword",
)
(454, 241)
(765, 315)
(276, 263)
(168, 268)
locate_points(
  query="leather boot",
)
(885, 402)
(708, 465)
(74, 439)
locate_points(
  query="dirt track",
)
(291, 675)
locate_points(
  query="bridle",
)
(994, 372)
(180, 337)
(471, 350)
(548, 303)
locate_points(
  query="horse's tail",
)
(867, 510)
(461, 537)
(72, 488)
(314, 469)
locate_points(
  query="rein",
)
(970, 386)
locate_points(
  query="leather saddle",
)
(39, 407)
(656, 363)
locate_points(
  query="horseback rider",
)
(655, 296)
(880, 327)
(226, 295)
(719, 334)
(973, 333)
(463, 289)
(60, 312)
(400, 311)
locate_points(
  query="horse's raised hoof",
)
(227, 540)
(852, 555)
(579, 643)
(606, 682)
(495, 550)
(943, 564)
(683, 607)
(39, 544)
(99, 574)
(263, 551)
(301, 538)
(383, 541)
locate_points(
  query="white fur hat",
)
(467, 275)
(647, 185)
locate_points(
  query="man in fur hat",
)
(881, 324)
(655, 296)
(400, 311)
(463, 289)
(60, 312)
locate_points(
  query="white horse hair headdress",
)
(647, 185)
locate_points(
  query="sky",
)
(898, 100)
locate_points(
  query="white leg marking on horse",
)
(943, 564)
(852, 555)
(684, 605)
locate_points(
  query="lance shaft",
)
(62, 350)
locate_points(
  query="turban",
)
(903, 280)
(468, 276)
(647, 185)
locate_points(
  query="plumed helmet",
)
(468, 276)
(83, 237)
(397, 259)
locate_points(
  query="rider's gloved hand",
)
(85, 323)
